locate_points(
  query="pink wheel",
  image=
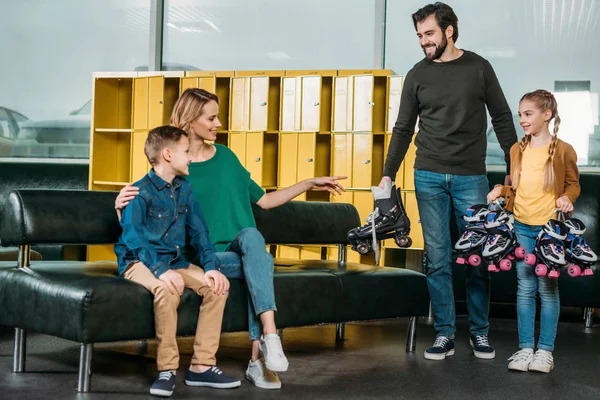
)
(574, 271)
(554, 274)
(530, 259)
(520, 252)
(510, 257)
(493, 268)
(541, 269)
(474, 260)
(505, 265)
(460, 260)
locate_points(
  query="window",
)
(49, 52)
(531, 44)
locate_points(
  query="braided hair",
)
(545, 101)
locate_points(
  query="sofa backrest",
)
(44, 216)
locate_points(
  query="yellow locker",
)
(412, 210)
(341, 164)
(359, 101)
(257, 152)
(395, 84)
(306, 103)
(302, 156)
(255, 98)
(409, 163)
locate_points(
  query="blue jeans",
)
(528, 285)
(437, 194)
(247, 258)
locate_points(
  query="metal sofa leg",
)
(340, 332)
(411, 339)
(589, 317)
(19, 353)
(85, 367)
(280, 333)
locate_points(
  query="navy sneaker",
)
(164, 385)
(481, 347)
(212, 377)
(442, 347)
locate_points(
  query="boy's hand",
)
(221, 284)
(494, 194)
(329, 183)
(564, 204)
(126, 194)
(174, 281)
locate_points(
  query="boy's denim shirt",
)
(155, 224)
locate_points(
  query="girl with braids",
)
(544, 179)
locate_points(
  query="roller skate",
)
(549, 251)
(577, 252)
(470, 244)
(388, 220)
(501, 246)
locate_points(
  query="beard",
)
(439, 50)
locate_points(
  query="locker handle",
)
(262, 104)
(316, 103)
(367, 162)
(309, 160)
(257, 159)
(371, 103)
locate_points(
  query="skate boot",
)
(501, 246)
(388, 220)
(470, 244)
(549, 251)
(577, 252)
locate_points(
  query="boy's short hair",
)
(158, 139)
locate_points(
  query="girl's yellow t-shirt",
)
(533, 206)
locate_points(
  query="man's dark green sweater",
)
(450, 100)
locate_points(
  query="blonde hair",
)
(544, 101)
(188, 108)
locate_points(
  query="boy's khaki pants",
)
(210, 319)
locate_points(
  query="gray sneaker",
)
(520, 360)
(261, 376)
(543, 361)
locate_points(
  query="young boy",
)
(149, 253)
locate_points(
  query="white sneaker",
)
(520, 360)
(270, 346)
(542, 361)
(261, 376)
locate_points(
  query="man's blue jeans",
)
(528, 284)
(438, 194)
(247, 258)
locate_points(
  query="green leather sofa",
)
(87, 302)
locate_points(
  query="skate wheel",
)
(460, 260)
(506, 264)
(474, 260)
(554, 274)
(493, 268)
(541, 269)
(363, 248)
(574, 271)
(530, 259)
(520, 252)
(403, 241)
(510, 257)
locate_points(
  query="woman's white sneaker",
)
(542, 361)
(520, 360)
(270, 347)
(261, 376)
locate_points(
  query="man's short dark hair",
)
(158, 139)
(444, 15)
